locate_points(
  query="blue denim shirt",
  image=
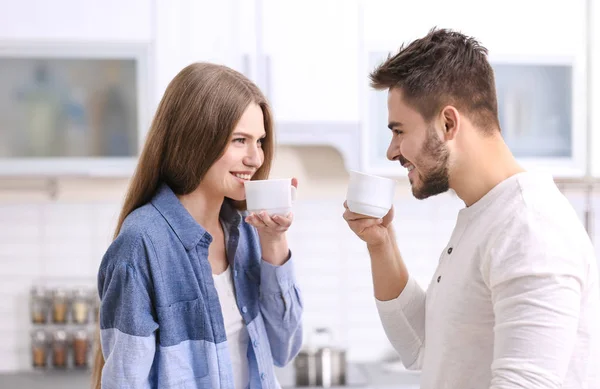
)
(160, 317)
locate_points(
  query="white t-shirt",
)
(514, 302)
(235, 329)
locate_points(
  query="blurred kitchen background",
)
(80, 80)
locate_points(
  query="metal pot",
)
(323, 366)
(306, 368)
(331, 367)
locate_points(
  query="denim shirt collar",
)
(189, 232)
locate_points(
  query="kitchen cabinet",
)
(187, 31)
(310, 49)
(81, 80)
(305, 59)
(74, 86)
(302, 55)
(594, 102)
(72, 108)
(540, 73)
(76, 21)
(312, 59)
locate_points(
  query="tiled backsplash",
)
(66, 240)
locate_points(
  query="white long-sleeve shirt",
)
(514, 302)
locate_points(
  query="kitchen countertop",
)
(358, 376)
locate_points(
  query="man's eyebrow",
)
(392, 125)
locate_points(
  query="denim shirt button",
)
(255, 343)
(235, 273)
(262, 376)
(244, 309)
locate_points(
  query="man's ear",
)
(450, 122)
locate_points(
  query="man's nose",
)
(393, 151)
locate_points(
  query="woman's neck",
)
(205, 209)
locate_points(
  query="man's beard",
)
(434, 162)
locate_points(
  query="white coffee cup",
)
(370, 195)
(275, 196)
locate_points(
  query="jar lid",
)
(60, 293)
(39, 291)
(60, 335)
(81, 293)
(39, 336)
(81, 335)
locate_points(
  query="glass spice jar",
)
(60, 349)
(80, 306)
(39, 349)
(81, 346)
(96, 308)
(39, 305)
(59, 306)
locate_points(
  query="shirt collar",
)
(189, 232)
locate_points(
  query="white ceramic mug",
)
(370, 195)
(276, 196)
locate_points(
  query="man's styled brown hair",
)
(443, 68)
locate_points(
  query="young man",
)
(514, 302)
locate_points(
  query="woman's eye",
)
(240, 140)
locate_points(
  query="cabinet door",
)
(76, 20)
(595, 88)
(310, 59)
(540, 72)
(190, 31)
(71, 108)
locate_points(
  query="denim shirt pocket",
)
(182, 348)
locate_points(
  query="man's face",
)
(418, 147)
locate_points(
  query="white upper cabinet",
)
(309, 53)
(188, 31)
(82, 79)
(538, 52)
(594, 101)
(68, 110)
(75, 86)
(76, 20)
(304, 55)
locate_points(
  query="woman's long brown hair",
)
(190, 131)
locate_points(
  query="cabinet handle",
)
(268, 89)
(589, 223)
(589, 212)
(246, 70)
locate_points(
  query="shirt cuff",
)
(408, 297)
(277, 279)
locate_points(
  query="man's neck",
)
(489, 163)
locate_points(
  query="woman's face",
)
(242, 158)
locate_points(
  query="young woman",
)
(195, 292)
